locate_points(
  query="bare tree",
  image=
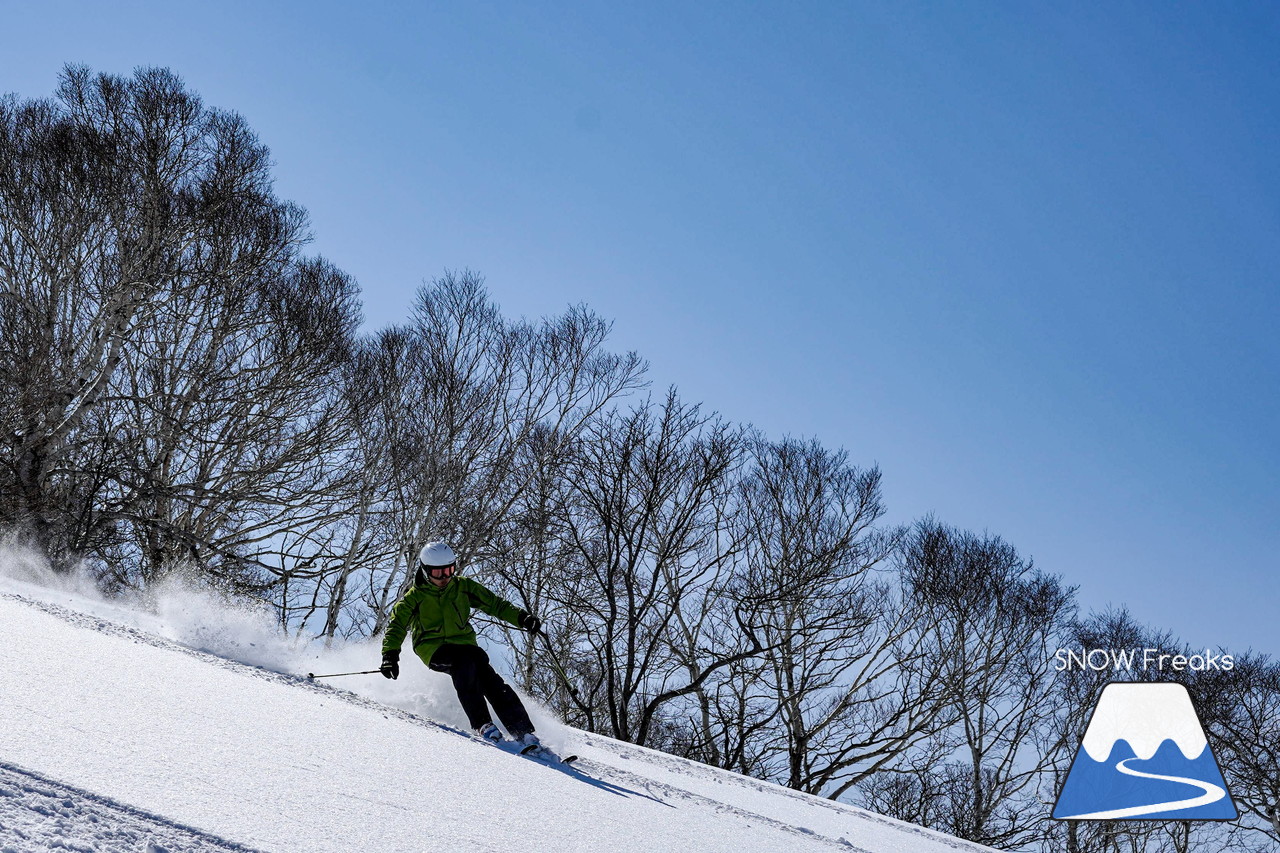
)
(533, 556)
(156, 319)
(995, 622)
(649, 488)
(848, 697)
(1240, 708)
(449, 407)
(236, 462)
(374, 395)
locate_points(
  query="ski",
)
(543, 754)
(534, 750)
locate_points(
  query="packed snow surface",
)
(191, 726)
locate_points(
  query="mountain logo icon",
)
(1144, 757)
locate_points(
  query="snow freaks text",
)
(1146, 660)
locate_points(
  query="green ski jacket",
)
(437, 616)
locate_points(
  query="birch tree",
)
(131, 214)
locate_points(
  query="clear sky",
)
(1023, 256)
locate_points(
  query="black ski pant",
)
(475, 680)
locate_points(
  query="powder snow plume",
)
(181, 609)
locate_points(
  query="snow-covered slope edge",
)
(210, 753)
(42, 814)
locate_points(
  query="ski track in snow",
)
(81, 814)
(40, 814)
(678, 766)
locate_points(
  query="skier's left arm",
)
(497, 606)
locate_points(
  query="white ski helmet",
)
(437, 554)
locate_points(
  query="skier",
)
(437, 609)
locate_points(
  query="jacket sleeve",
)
(492, 603)
(401, 613)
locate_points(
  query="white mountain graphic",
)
(1145, 715)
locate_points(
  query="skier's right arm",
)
(401, 613)
(398, 627)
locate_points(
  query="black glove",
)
(391, 664)
(529, 622)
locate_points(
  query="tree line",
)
(186, 391)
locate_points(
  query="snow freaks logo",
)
(1101, 660)
(1145, 757)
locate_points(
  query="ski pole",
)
(558, 669)
(551, 654)
(311, 676)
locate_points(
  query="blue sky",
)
(1023, 256)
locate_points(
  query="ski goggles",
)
(440, 571)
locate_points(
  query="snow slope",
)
(194, 728)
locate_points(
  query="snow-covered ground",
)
(190, 726)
